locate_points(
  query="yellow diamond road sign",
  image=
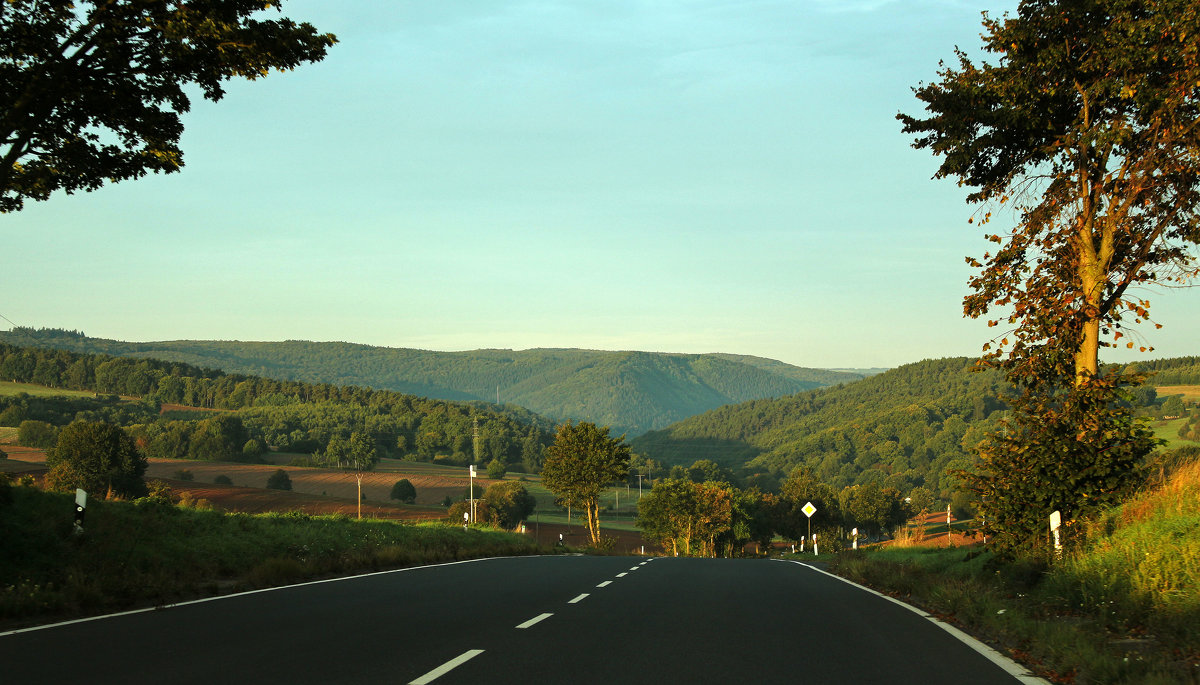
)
(809, 509)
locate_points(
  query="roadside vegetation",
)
(1122, 607)
(149, 551)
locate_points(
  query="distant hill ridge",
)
(633, 392)
(902, 428)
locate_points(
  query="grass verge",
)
(1122, 608)
(146, 553)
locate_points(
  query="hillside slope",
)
(632, 392)
(904, 427)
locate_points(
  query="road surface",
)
(563, 619)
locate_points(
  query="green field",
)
(1169, 431)
(9, 389)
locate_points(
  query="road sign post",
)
(472, 492)
(809, 510)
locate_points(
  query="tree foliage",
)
(404, 491)
(93, 90)
(279, 480)
(1087, 128)
(97, 457)
(580, 463)
(1074, 451)
(508, 503)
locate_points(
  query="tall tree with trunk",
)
(583, 461)
(1088, 129)
(93, 89)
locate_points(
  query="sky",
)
(685, 176)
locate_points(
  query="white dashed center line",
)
(447, 667)
(605, 583)
(578, 599)
(534, 621)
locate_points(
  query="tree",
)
(668, 514)
(93, 90)
(496, 469)
(279, 480)
(36, 434)
(96, 457)
(404, 491)
(583, 460)
(1087, 127)
(509, 503)
(358, 455)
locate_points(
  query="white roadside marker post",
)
(1055, 524)
(80, 510)
(855, 534)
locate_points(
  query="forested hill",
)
(903, 427)
(630, 391)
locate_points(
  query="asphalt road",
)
(519, 620)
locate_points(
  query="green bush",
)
(404, 491)
(184, 474)
(223, 480)
(37, 434)
(496, 469)
(279, 480)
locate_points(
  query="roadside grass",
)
(1123, 608)
(146, 553)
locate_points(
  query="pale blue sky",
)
(683, 176)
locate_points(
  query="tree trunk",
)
(358, 476)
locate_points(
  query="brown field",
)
(1191, 393)
(432, 488)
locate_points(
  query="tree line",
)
(287, 415)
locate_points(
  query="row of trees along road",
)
(1087, 130)
(714, 518)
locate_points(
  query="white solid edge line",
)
(161, 607)
(1016, 670)
(578, 599)
(534, 621)
(447, 667)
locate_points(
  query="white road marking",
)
(634, 568)
(605, 583)
(534, 621)
(578, 599)
(447, 667)
(1016, 670)
(218, 598)
(622, 574)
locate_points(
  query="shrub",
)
(12, 415)
(223, 480)
(404, 491)
(97, 457)
(36, 434)
(3, 454)
(6, 495)
(279, 480)
(184, 474)
(496, 469)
